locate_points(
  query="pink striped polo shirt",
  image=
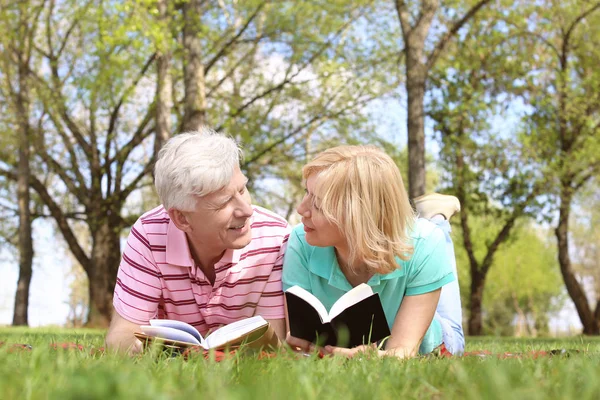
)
(158, 278)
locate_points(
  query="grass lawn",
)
(45, 372)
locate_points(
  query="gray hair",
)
(194, 164)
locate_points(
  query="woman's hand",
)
(298, 344)
(350, 353)
(368, 349)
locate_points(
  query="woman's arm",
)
(411, 324)
(412, 321)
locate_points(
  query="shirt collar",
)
(328, 268)
(178, 250)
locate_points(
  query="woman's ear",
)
(180, 220)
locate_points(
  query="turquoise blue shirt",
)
(316, 269)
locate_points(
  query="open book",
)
(356, 318)
(253, 332)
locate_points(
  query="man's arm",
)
(279, 328)
(120, 335)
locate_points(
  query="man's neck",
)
(205, 259)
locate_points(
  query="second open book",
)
(355, 318)
(253, 331)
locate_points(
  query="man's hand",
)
(278, 326)
(120, 336)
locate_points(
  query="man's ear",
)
(179, 219)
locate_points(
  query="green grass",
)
(45, 373)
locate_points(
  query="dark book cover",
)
(361, 323)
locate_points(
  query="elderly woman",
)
(358, 227)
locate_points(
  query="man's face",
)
(221, 219)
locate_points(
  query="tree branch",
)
(288, 79)
(403, 17)
(456, 26)
(58, 216)
(75, 168)
(110, 135)
(577, 20)
(56, 95)
(121, 164)
(120, 197)
(137, 138)
(505, 231)
(115, 113)
(60, 170)
(78, 216)
(226, 48)
(229, 73)
(311, 121)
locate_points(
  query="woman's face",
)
(319, 231)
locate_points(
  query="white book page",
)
(312, 300)
(355, 295)
(234, 331)
(165, 332)
(182, 326)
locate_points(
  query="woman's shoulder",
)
(298, 239)
(298, 232)
(424, 229)
(427, 238)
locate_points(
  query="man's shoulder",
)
(266, 218)
(157, 214)
(156, 221)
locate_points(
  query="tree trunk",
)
(477, 276)
(415, 34)
(193, 69)
(475, 323)
(574, 288)
(415, 89)
(164, 102)
(102, 273)
(20, 315)
(522, 327)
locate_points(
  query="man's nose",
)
(244, 208)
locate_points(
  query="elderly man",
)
(206, 256)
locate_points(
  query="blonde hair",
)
(361, 191)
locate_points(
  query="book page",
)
(355, 295)
(165, 332)
(233, 331)
(182, 326)
(312, 300)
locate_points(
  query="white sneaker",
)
(432, 204)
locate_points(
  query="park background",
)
(495, 102)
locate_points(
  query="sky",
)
(49, 285)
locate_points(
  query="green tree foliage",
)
(563, 131)
(422, 50)
(21, 22)
(523, 284)
(272, 73)
(483, 163)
